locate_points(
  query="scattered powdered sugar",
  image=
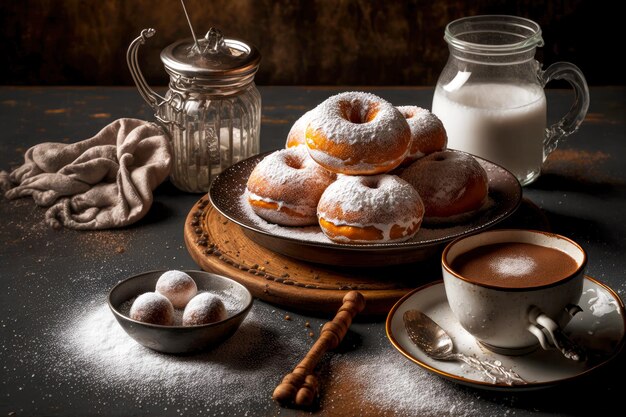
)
(236, 372)
(245, 369)
(385, 383)
(513, 266)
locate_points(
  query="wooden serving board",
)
(220, 246)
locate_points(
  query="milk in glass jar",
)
(212, 109)
(490, 95)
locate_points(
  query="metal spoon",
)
(436, 343)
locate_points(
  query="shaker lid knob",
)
(215, 56)
(214, 41)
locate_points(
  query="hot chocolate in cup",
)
(514, 290)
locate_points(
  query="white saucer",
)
(599, 328)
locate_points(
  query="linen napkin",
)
(102, 182)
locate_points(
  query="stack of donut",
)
(366, 172)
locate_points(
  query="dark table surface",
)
(61, 353)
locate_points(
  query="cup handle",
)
(576, 114)
(540, 335)
(550, 335)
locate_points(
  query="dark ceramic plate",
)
(309, 243)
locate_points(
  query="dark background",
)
(308, 42)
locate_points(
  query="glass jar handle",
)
(149, 95)
(576, 114)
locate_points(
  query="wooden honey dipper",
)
(300, 386)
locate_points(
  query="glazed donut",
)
(451, 183)
(370, 209)
(285, 187)
(357, 134)
(427, 133)
(296, 135)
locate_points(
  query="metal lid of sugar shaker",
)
(213, 59)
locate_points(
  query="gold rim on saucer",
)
(434, 303)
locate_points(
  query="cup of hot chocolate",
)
(514, 290)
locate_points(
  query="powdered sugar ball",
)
(152, 308)
(204, 308)
(177, 286)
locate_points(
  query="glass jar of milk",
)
(490, 95)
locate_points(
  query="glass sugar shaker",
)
(212, 108)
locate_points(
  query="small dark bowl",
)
(182, 339)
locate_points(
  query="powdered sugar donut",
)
(285, 187)
(451, 183)
(177, 286)
(370, 209)
(357, 134)
(297, 133)
(153, 308)
(427, 132)
(204, 308)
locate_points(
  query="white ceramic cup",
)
(515, 321)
